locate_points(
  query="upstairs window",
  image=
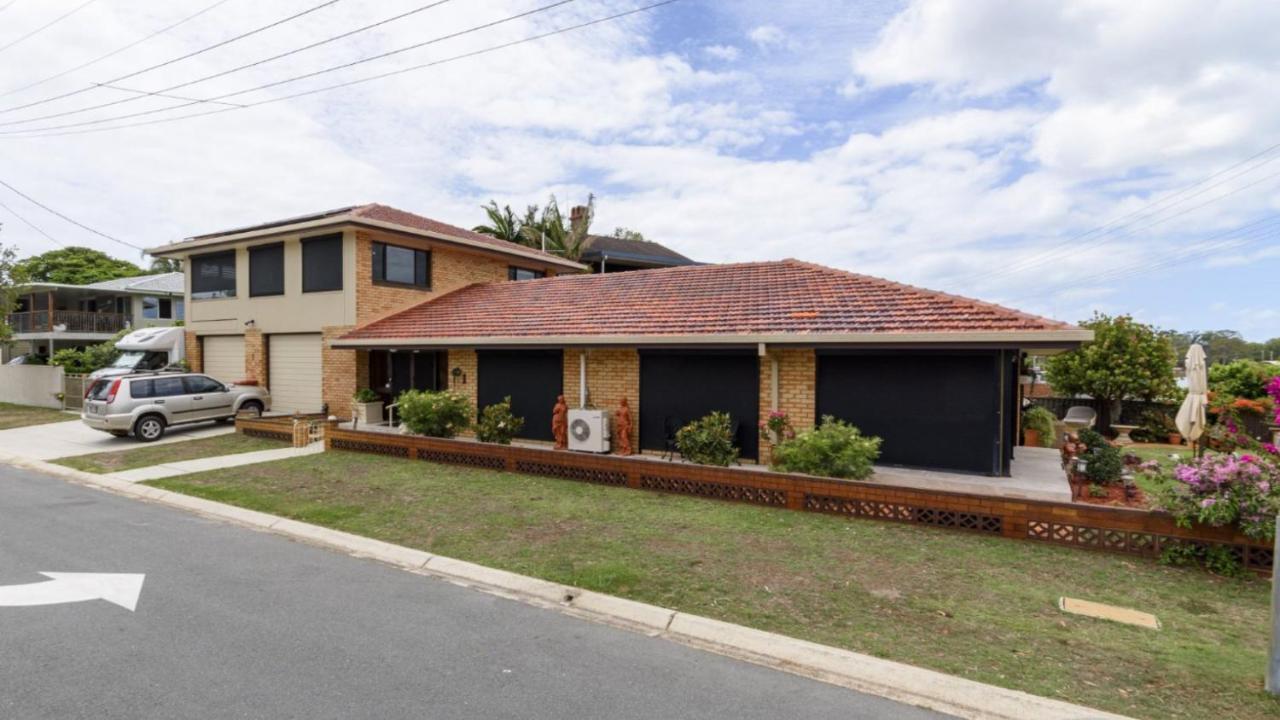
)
(154, 308)
(266, 270)
(395, 265)
(322, 263)
(519, 273)
(213, 275)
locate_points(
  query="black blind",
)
(266, 270)
(214, 275)
(322, 263)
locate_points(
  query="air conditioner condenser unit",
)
(589, 431)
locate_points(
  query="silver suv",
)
(145, 404)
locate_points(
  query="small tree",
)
(74, 266)
(8, 290)
(1126, 360)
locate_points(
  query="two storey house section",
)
(264, 301)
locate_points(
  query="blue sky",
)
(960, 146)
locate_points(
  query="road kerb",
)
(863, 673)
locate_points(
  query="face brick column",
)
(797, 384)
(612, 374)
(465, 384)
(195, 359)
(255, 356)
(340, 372)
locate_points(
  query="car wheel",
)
(252, 406)
(149, 428)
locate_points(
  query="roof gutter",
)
(1048, 339)
(201, 243)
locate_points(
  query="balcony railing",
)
(75, 321)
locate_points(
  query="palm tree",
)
(562, 238)
(503, 224)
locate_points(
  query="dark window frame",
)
(259, 250)
(196, 261)
(513, 273)
(313, 242)
(378, 266)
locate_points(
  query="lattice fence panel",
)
(285, 435)
(375, 448)
(491, 462)
(571, 472)
(719, 491)
(899, 512)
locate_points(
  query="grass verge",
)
(982, 608)
(141, 455)
(13, 416)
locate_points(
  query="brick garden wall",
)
(612, 374)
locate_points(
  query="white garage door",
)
(294, 374)
(224, 357)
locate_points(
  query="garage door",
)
(932, 410)
(224, 357)
(533, 379)
(294, 374)
(677, 387)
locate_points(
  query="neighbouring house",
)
(52, 316)
(263, 301)
(605, 253)
(934, 375)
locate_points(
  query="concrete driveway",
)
(64, 439)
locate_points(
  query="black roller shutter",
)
(266, 270)
(677, 387)
(532, 378)
(322, 263)
(931, 409)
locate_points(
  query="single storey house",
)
(369, 296)
(606, 253)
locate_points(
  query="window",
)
(154, 308)
(141, 389)
(197, 384)
(266, 270)
(167, 387)
(179, 309)
(322, 263)
(519, 273)
(396, 265)
(213, 275)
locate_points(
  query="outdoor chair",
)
(670, 426)
(1079, 416)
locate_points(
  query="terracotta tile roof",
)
(387, 214)
(786, 297)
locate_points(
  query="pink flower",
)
(1207, 502)
(1271, 449)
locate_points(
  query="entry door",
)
(678, 387)
(533, 379)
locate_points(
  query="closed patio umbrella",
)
(1191, 417)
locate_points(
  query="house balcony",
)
(69, 321)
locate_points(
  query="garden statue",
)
(622, 428)
(560, 423)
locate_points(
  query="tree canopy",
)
(1127, 360)
(73, 266)
(565, 236)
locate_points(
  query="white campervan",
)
(150, 348)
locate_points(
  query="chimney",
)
(578, 214)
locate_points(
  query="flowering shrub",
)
(777, 428)
(1228, 433)
(1221, 490)
(833, 449)
(709, 440)
(1273, 389)
(498, 424)
(435, 414)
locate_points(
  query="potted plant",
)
(1037, 427)
(367, 405)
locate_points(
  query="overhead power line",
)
(73, 221)
(163, 91)
(180, 58)
(8, 5)
(30, 224)
(358, 81)
(47, 25)
(113, 53)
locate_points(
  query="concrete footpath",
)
(186, 467)
(895, 681)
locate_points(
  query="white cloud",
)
(727, 53)
(767, 36)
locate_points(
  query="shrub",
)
(833, 449)
(1096, 490)
(498, 424)
(1092, 438)
(708, 441)
(1158, 425)
(365, 395)
(435, 414)
(1105, 463)
(1222, 490)
(1241, 378)
(1040, 419)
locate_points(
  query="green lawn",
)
(1162, 453)
(979, 607)
(13, 416)
(136, 455)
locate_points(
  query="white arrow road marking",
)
(121, 589)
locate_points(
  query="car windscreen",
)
(129, 359)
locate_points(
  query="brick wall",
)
(466, 384)
(195, 359)
(343, 371)
(255, 356)
(450, 269)
(796, 389)
(612, 374)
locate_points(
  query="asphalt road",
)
(235, 623)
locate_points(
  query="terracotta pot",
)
(1031, 437)
(1175, 438)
